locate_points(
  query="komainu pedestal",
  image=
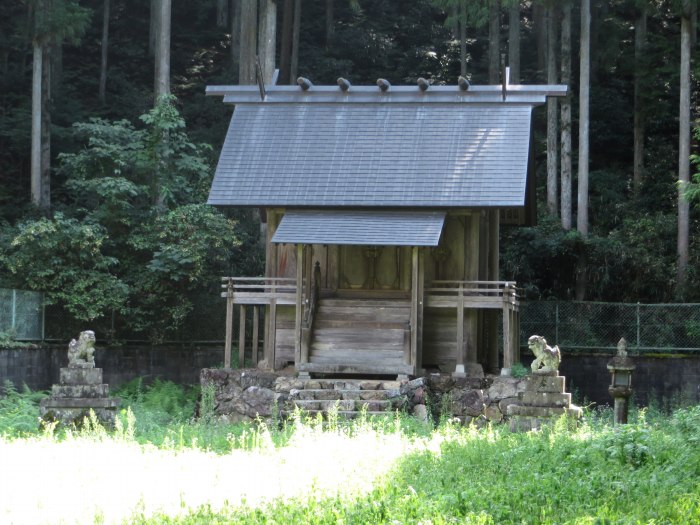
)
(543, 401)
(80, 388)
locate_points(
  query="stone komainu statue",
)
(81, 352)
(547, 359)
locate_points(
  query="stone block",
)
(467, 402)
(373, 395)
(373, 406)
(258, 401)
(80, 402)
(493, 413)
(64, 391)
(390, 385)
(545, 399)
(369, 385)
(327, 394)
(540, 412)
(305, 394)
(504, 403)
(351, 394)
(504, 387)
(540, 383)
(312, 385)
(80, 376)
(286, 384)
(420, 412)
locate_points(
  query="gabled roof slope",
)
(374, 155)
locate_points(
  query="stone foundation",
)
(243, 395)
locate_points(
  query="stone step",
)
(344, 405)
(337, 395)
(344, 414)
(347, 384)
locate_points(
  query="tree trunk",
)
(640, 35)
(329, 23)
(584, 93)
(684, 150)
(540, 23)
(162, 69)
(267, 38)
(463, 38)
(514, 42)
(46, 129)
(36, 123)
(103, 61)
(249, 27)
(286, 44)
(153, 27)
(221, 13)
(566, 208)
(296, 32)
(552, 117)
(235, 34)
(494, 41)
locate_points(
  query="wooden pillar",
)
(414, 305)
(418, 362)
(461, 350)
(306, 302)
(471, 268)
(229, 326)
(256, 320)
(271, 339)
(508, 357)
(241, 337)
(270, 326)
(494, 271)
(298, 308)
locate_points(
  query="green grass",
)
(167, 467)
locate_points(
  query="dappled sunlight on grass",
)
(75, 479)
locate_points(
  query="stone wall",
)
(657, 376)
(39, 368)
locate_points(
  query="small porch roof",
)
(360, 227)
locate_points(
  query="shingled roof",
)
(365, 148)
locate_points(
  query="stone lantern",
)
(621, 368)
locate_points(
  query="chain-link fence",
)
(599, 326)
(21, 314)
(204, 324)
(572, 325)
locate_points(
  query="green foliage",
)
(19, 411)
(64, 257)
(519, 370)
(58, 20)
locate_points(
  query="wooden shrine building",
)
(383, 206)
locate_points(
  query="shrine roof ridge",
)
(385, 93)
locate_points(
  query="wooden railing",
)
(463, 295)
(472, 294)
(259, 290)
(255, 291)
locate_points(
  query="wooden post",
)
(414, 305)
(308, 276)
(229, 326)
(472, 274)
(241, 337)
(507, 349)
(256, 320)
(418, 363)
(272, 341)
(461, 352)
(494, 229)
(297, 316)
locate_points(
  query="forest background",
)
(108, 144)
